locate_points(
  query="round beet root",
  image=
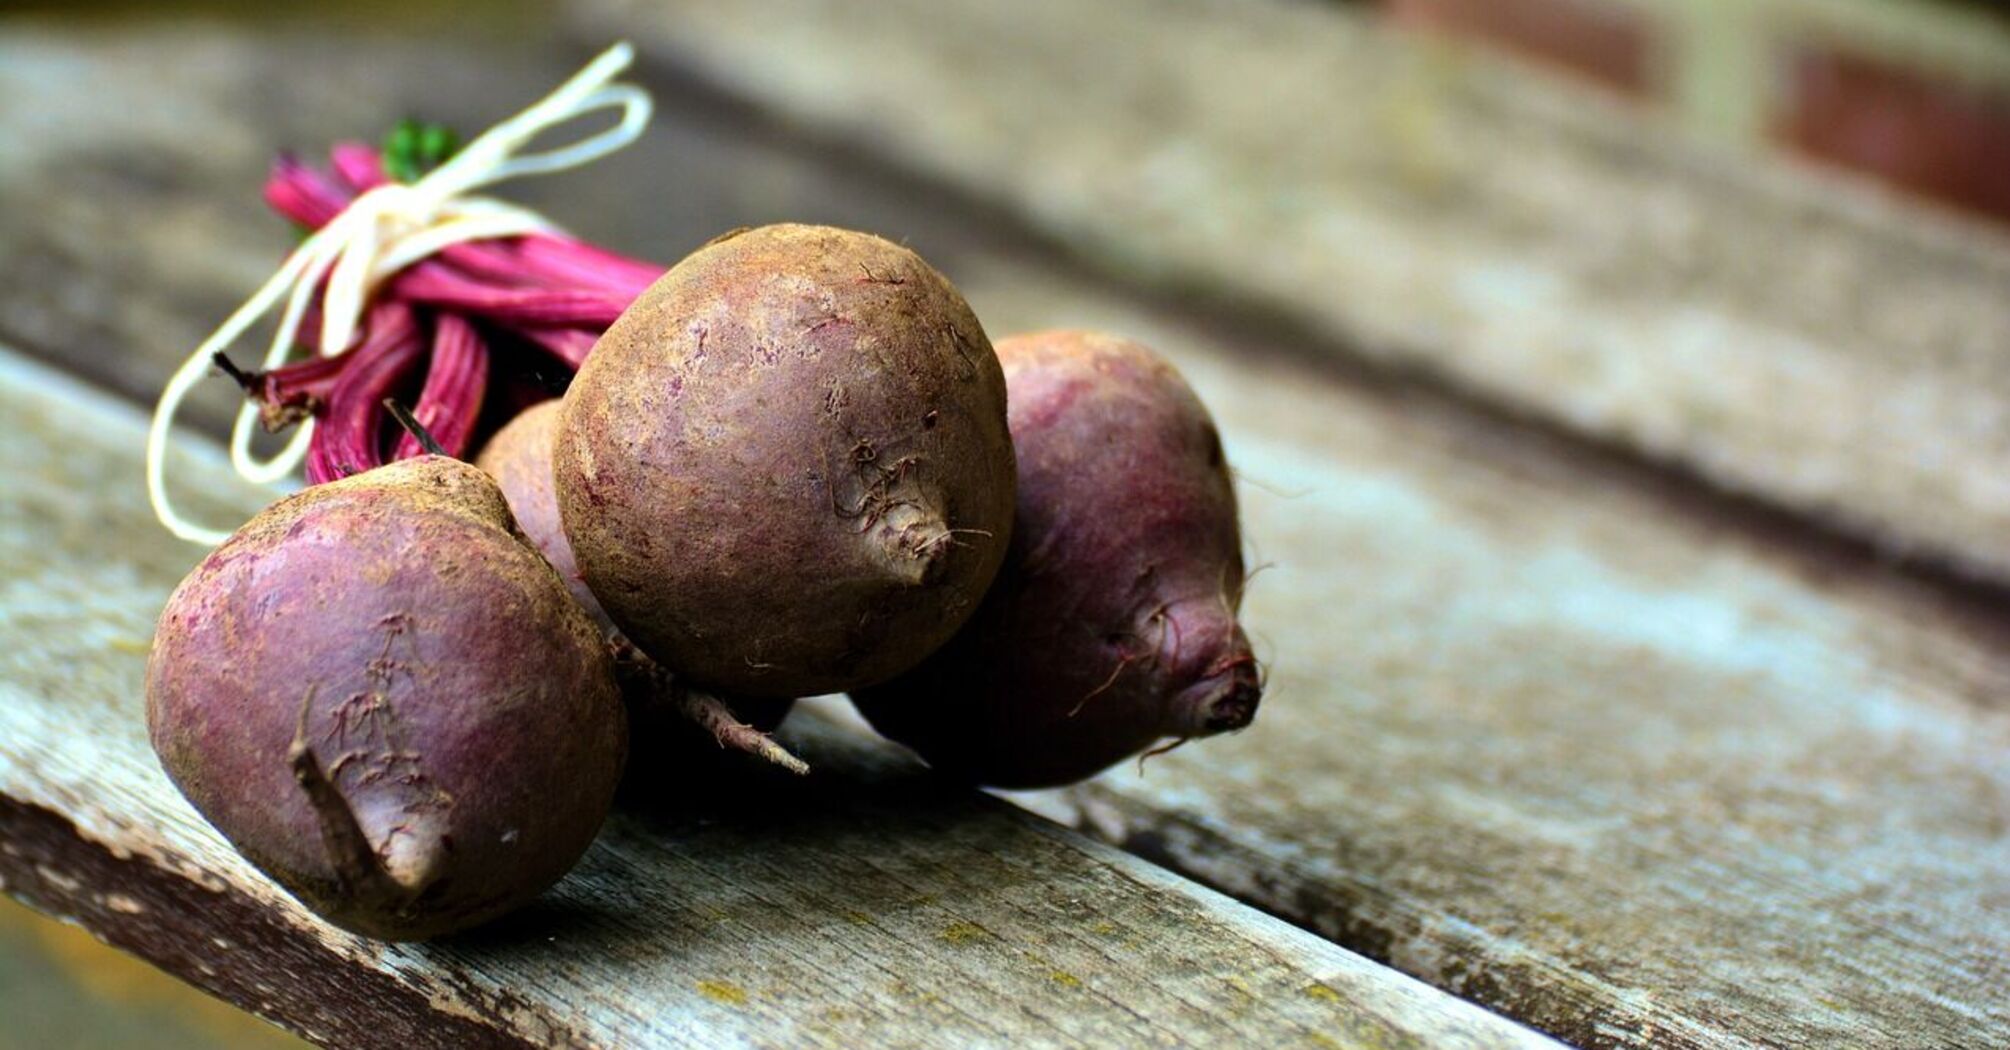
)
(518, 457)
(699, 734)
(785, 470)
(1113, 623)
(388, 702)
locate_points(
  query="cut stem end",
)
(413, 427)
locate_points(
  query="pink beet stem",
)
(564, 260)
(555, 292)
(433, 284)
(357, 164)
(494, 262)
(570, 345)
(350, 437)
(311, 199)
(302, 194)
(451, 401)
(291, 390)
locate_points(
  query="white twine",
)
(382, 231)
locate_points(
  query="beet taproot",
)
(1112, 626)
(785, 470)
(681, 729)
(518, 457)
(388, 702)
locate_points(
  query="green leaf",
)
(414, 147)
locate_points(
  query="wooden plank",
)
(1586, 745)
(868, 905)
(1800, 340)
(1616, 760)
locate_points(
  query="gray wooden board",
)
(1586, 750)
(1582, 743)
(1803, 341)
(868, 905)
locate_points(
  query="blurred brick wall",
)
(1934, 135)
(1609, 44)
(1906, 91)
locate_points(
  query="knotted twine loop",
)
(382, 231)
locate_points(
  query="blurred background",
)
(1916, 94)
(143, 128)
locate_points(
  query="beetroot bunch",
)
(794, 463)
(479, 323)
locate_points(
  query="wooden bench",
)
(868, 905)
(1552, 729)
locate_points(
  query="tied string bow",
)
(384, 230)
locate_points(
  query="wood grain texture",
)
(1800, 340)
(868, 905)
(1579, 742)
(1588, 750)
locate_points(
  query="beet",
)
(675, 725)
(785, 470)
(387, 701)
(1113, 623)
(518, 457)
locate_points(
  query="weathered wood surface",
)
(1797, 340)
(1582, 743)
(869, 905)
(1590, 751)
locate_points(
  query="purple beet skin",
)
(786, 469)
(518, 457)
(1112, 626)
(387, 701)
(688, 736)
